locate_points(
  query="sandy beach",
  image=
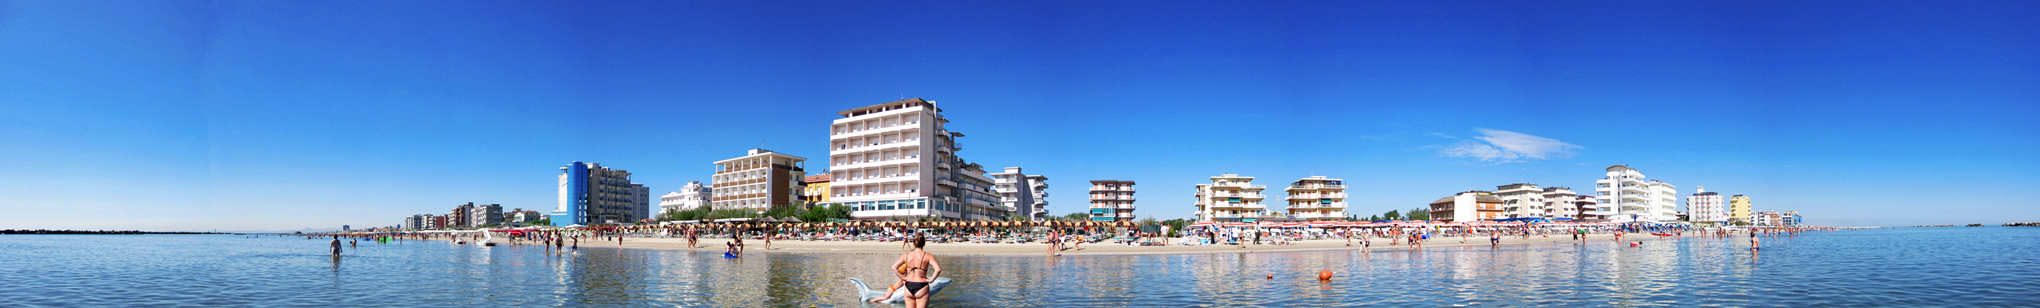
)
(1039, 249)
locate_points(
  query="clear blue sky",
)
(280, 115)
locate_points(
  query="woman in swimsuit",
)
(921, 270)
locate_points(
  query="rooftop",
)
(911, 102)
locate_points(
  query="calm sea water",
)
(1986, 266)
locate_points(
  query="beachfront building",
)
(898, 160)
(1562, 202)
(1026, 194)
(418, 222)
(438, 222)
(1789, 218)
(1468, 206)
(643, 196)
(1230, 197)
(521, 216)
(815, 189)
(484, 214)
(1316, 198)
(1521, 200)
(1767, 219)
(1706, 206)
(760, 180)
(1111, 200)
(593, 194)
(1627, 197)
(1739, 209)
(690, 196)
(461, 216)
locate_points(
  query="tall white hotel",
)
(895, 160)
(1705, 206)
(1626, 197)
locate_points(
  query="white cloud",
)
(1500, 146)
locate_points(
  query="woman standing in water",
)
(921, 270)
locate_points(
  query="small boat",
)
(865, 293)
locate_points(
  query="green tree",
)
(1420, 214)
(1077, 217)
(1391, 215)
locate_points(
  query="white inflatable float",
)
(865, 293)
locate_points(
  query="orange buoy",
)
(1324, 275)
(1271, 276)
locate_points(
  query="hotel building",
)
(760, 180)
(1025, 194)
(1230, 197)
(1626, 197)
(1561, 202)
(897, 160)
(1316, 198)
(1521, 200)
(1467, 206)
(1111, 200)
(690, 196)
(593, 194)
(1739, 209)
(1706, 206)
(1789, 218)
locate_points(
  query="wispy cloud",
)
(1500, 146)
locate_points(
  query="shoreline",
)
(1040, 249)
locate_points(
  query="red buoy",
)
(1324, 275)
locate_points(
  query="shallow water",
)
(1985, 266)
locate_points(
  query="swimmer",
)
(336, 246)
(1494, 239)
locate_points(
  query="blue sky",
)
(280, 115)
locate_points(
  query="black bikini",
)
(914, 287)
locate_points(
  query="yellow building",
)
(1739, 208)
(817, 191)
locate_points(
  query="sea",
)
(1905, 267)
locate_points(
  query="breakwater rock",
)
(2024, 224)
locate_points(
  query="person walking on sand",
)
(922, 269)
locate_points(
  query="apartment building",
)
(1739, 209)
(898, 160)
(760, 180)
(1562, 202)
(815, 189)
(1231, 198)
(1111, 200)
(1522, 200)
(689, 197)
(484, 214)
(1468, 206)
(1316, 198)
(460, 215)
(1024, 193)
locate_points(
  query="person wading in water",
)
(921, 270)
